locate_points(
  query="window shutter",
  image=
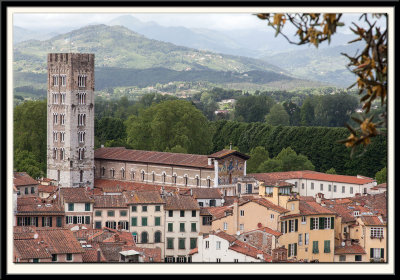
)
(42, 221)
(311, 223)
(296, 225)
(295, 248)
(290, 225)
(66, 219)
(382, 253)
(332, 222)
(37, 221)
(321, 223)
(371, 252)
(282, 227)
(87, 220)
(286, 230)
(75, 220)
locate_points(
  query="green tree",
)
(257, 156)
(277, 116)
(177, 149)
(30, 131)
(253, 108)
(331, 171)
(293, 111)
(307, 113)
(109, 128)
(25, 161)
(381, 176)
(168, 124)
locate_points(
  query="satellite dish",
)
(343, 243)
(238, 233)
(35, 236)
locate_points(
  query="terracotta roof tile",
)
(351, 249)
(180, 202)
(31, 249)
(110, 201)
(263, 202)
(144, 197)
(372, 221)
(313, 208)
(122, 154)
(33, 205)
(206, 193)
(218, 212)
(224, 153)
(267, 230)
(60, 241)
(76, 195)
(23, 179)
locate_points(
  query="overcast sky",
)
(220, 21)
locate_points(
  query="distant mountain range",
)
(125, 56)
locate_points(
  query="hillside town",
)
(117, 205)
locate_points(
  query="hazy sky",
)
(220, 21)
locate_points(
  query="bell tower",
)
(70, 119)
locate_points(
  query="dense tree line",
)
(164, 123)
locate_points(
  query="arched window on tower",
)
(81, 176)
(122, 173)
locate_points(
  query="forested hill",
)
(117, 46)
(121, 54)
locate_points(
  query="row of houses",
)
(203, 225)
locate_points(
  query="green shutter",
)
(382, 253)
(134, 221)
(286, 223)
(321, 222)
(327, 246)
(296, 225)
(315, 247)
(295, 248)
(332, 222)
(311, 223)
(371, 253)
(290, 225)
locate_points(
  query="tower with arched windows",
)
(70, 119)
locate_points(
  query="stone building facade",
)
(70, 118)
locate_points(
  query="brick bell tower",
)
(70, 119)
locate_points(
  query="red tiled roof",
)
(144, 197)
(47, 188)
(206, 193)
(351, 249)
(27, 205)
(371, 221)
(218, 212)
(107, 185)
(164, 158)
(224, 153)
(76, 195)
(263, 202)
(23, 179)
(180, 202)
(313, 208)
(31, 249)
(60, 240)
(110, 201)
(311, 175)
(153, 253)
(267, 230)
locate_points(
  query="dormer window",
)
(356, 213)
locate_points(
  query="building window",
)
(110, 213)
(315, 249)
(292, 250)
(209, 183)
(97, 225)
(158, 208)
(70, 207)
(327, 223)
(272, 216)
(170, 243)
(63, 79)
(54, 257)
(144, 208)
(81, 98)
(327, 246)
(300, 241)
(218, 245)
(181, 243)
(62, 136)
(377, 232)
(302, 186)
(157, 237)
(103, 171)
(182, 213)
(241, 227)
(81, 152)
(164, 177)
(170, 227)
(144, 237)
(225, 226)
(312, 186)
(218, 260)
(111, 224)
(342, 258)
(97, 213)
(142, 175)
(81, 136)
(81, 119)
(377, 253)
(207, 244)
(134, 221)
(197, 181)
(134, 208)
(135, 236)
(343, 189)
(87, 206)
(170, 213)
(242, 213)
(314, 223)
(144, 221)
(334, 188)
(322, 187)
(157, 221)
(81, 80)
(358, 258)
(123, 225)
(55, 118)
(112, 173)
(193, 243)
(81, 176)
(122, 213)
(55, 136)
(207, 220)
(193, 213)
(153, 176)
(55, 80)
(62, 119)
(174, 179)
(193, 227)
(62, 97)
(181, 227)
(329, 187)
(185, 179)
(303, 219)
(306, 238)
(351, 190)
